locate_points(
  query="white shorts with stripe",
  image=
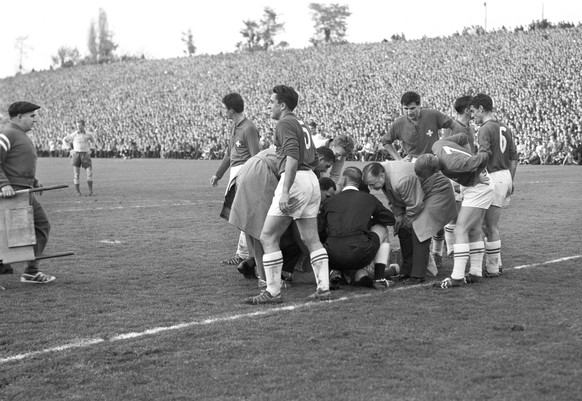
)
(502, 183)
(304, 196)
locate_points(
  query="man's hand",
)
(284, 203)
(214, 181)
(39, 185)
(8, 191)
(398, 223)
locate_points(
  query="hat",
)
(426, 165)
(21, 108)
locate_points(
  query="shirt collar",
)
(350, 187)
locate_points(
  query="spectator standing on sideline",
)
(81, 143)
(496, 140)
(297, 197)
(17, 171)
(243, 144)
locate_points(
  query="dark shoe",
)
(449, 283)
(382, 284)
(335, 279)
(365, 281)
(6, 269)
(401, 277)
(247, 268)
(38, 278)
(486, 274)
(472, 279)
(264, 297)
(413, 280)
(234, 261)
(320, 295)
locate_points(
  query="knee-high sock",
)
(450, 237)
(437, 244)
(381, 260)
(242, 250)
(273, 264)
(477, 251)
(320, 265)
(492, 256)
(460, 261)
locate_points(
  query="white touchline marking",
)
(120, 337)
(548, 262)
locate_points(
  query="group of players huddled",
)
(449, 187)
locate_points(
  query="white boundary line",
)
(84, 343)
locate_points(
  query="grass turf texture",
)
(148, 250)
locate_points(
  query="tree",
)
(100, 40)
(188, 40)
(329, 22)
(106, 46)
(66, 57)
(92, 44)
(261, 36)
(269, 28)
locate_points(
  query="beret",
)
(21, 108)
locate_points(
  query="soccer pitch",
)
(145, 311)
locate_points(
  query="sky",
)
(155, 28)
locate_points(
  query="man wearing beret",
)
(17, 171)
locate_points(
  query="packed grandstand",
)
(171, 108)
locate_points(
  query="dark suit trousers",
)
(415, 254)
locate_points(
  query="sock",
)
(381, 260)
(320, 265)
(437, 244)
(273, 264)
(492, 253)
(460, 261)
(90, 185)
(450, 237)
(477, 251)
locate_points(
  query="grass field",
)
(145, 311)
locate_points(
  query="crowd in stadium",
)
(171, 108)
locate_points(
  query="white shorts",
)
(232, 175)
(479, 196)
(502, 183)
(304, 196)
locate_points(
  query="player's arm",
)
(224, 165)
(392, 151)
(252, 138)
(5, 186)
(387, 141)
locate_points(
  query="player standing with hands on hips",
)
(81, 142)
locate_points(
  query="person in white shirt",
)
(81, 143)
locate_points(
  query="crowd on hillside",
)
(172, 109)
